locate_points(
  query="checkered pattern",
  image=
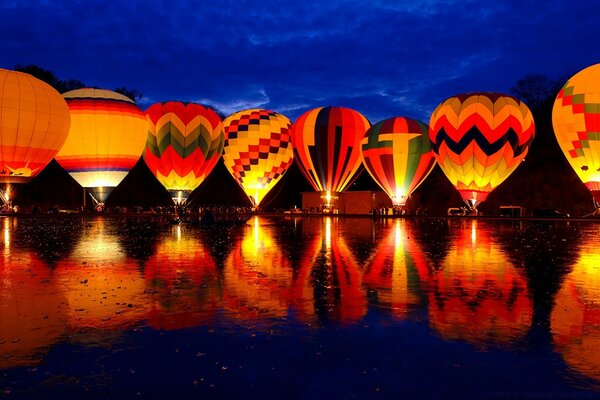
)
(258, 149)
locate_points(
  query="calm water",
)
(299, 308)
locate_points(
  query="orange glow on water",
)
(478, 295)
(257, 276)
(388, 271)
(32, 309)
(575, 319)
(104, 289)
(182, 281)
(330, 268)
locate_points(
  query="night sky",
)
(382, 58)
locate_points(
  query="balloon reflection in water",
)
(257, 276)
(31, 304)
(477, 295)
(393, 264)
(183, 282)
(328, 283)
(576, 316)
(103, 287)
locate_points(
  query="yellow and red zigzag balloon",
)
(479, 139)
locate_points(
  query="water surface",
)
(114, 307)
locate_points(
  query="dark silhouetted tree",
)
(536, 89)
(42, 74)
(133, 94)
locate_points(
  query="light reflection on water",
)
(482, 283)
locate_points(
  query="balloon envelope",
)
(34, 124)
(257, 150)
(397, 154)
(479, 139)
(327, 146)
(576, 121)
(107, 137)
(184, 144)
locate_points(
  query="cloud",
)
(383, 57)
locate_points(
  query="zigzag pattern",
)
(184, 143)
(474, 135)
(479, 140)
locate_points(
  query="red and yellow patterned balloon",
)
(257, 150)
(397, 154)
(479, 139)
(576, 121)
(184, 144)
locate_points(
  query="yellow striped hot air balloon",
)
(34, 124)
(108, 134)
(479, 139)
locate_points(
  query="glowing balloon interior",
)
(327, 146)
(397, 154)
(257, 150)
(479, 139)
(576, 121)
(184, 144)
(107, 137)
(34, 124)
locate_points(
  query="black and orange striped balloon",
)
(326, 143)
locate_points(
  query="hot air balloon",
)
(107, 137)
(576, 121)
(34, 124)
(327, 146)
(479, 139)
(257, 150)
(184, 144)
(397, 154)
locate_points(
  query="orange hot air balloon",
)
(576, 121)
(326, 144)
(397, 154)
(184, 144)
(479, 139)
(257, 150)
(107, 137)
(34, 124)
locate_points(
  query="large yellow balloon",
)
(257, 150)
(107, 137)
(576, 121)
(34, 124)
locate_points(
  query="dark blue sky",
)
(380, 57)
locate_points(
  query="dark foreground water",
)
(299, 308)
